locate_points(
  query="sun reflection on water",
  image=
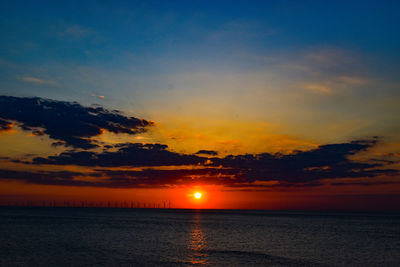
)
(197, 243)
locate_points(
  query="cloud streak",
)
(37, 81)
(207, 152)
(128, 155)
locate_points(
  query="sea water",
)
(166, 237)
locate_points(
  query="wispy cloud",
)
(75, 31)
(98, 96)
(318, 88)
(38, 81)
(352, 80)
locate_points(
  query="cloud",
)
(147, 178)
(38, 81)
(76, 31)
(99, 96)
(5, 125)
(242, 172)
(207, 152)
(318, 88)
(171, 178)
(41, 177)
(326, 161)
(297, 169)
(68, 122)
(365, 183)
(129, 154)
(352, 80)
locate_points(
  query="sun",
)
(197, 195)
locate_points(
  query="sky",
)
(255, 104)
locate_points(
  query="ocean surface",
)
(151, 237)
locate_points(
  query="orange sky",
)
(381, 197)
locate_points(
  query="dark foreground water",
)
(128, 237)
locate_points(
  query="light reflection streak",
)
(197, 243)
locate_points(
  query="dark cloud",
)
(66, 122)
(41, 177)
(156, 177)
(326, 161)
(365, 183)
(299, 169)
(148, 178)
(129, 154)
(5, 125)
(270, 187)
(207, 152)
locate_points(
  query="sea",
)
(173, 237)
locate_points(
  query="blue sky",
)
(61, 31)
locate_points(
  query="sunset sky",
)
(255, 104)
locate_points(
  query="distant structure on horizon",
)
(90, 204)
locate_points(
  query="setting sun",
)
(197, 195)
